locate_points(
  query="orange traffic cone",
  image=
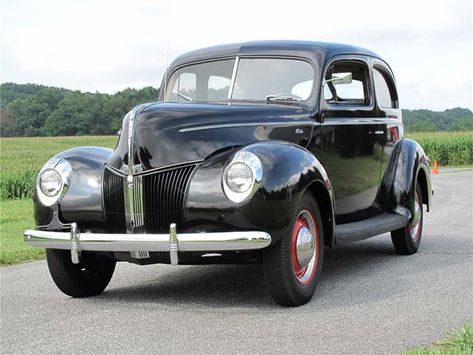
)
(435, 170)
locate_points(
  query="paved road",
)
(369, 301)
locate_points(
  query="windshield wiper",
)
(270, 98)
(187, 98)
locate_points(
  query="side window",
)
(218, 88)
(354, 93)
(209, 81)
(385, 94)
(184, 87)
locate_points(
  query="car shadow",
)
(358, 273)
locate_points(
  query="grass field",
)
(458, 343)
(15, 217)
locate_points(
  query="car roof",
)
(318, 51)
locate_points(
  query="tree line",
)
(38, 110)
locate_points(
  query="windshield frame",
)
(310, 99)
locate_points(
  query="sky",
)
(106, 46)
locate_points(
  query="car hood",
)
(165, 134)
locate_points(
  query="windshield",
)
(253, 79)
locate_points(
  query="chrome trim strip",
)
(232, 82)
(356, 121)
(156, 170)
(134, 205)
(172, 242)
(133, 187)
(131, 131)
(328, 122)
(249, 124)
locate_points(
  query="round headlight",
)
(53, 181)
(242, 177)
(50, 182)
(239, 177)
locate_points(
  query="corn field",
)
(22, 158)
(447, 148)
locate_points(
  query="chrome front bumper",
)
(172, 242)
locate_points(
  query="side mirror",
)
(340, 78)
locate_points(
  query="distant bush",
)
(455, 119)
(36, 110)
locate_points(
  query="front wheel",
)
(294, 264)
(406, 240)
(88, 278)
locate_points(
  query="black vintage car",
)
(260, 151)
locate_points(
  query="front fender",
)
(288, 170)
(83, 201)
(408, 163)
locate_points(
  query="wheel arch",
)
(424, 187)
(288, 171)
(325, 202)
(407, 165)
(83, 201)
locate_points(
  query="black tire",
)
(406, 240)
(280, 260)
(88, 278)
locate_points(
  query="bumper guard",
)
(172, 242)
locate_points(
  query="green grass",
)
(15, 217)
(460, 342)
(22, 158)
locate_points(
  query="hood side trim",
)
(249, 124)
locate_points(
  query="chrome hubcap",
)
(415, 222)
(305, 247)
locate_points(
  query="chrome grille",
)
(113, 202)
(164, 198)
(158, 199)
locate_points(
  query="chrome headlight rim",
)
(251, 161)
(64, 169)
(58, 182)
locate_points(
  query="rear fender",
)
(408, 163)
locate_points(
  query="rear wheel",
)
(294, 264)
(88, 278)
(406, 240)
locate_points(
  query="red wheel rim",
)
(304, 224)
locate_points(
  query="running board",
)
(367, 228)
